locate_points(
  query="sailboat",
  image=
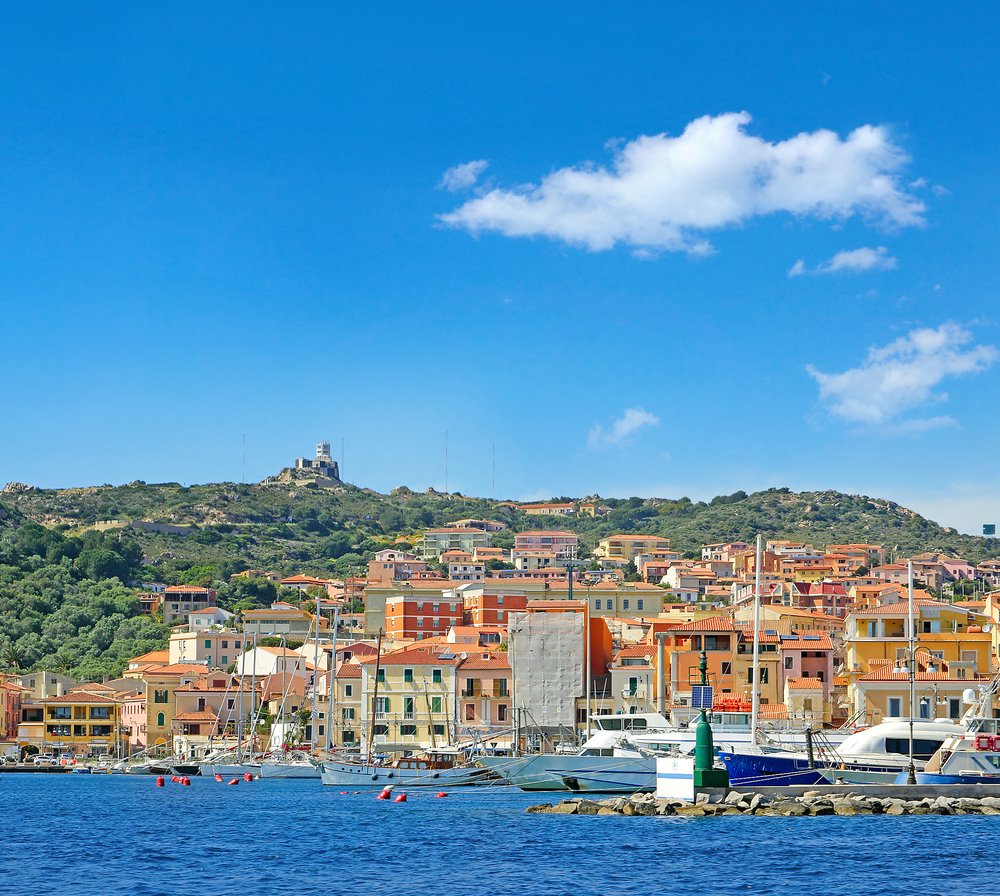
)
(438, 768)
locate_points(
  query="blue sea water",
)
(82, 835)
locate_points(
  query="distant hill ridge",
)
(298, 526)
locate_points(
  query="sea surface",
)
(102, 834)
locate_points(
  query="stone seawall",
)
(811, 802)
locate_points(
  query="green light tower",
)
(705, 773)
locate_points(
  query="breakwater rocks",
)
(809, 803)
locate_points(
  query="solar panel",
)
(789, 637)
(810, 638)
(701, 696)
(770, 631)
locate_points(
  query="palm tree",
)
(11, 656)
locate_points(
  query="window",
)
(225, 660)
(439, 730)
(633, 686)
(381, 675)
(160, 696)
(502, 712)
(407, 707)
(347, 736)
(435, 704)
(639, 604)
(225, 645)
(420, 622)
(408, 730)
(470, 712)
(407, 675)
(348, 690)
(236, 644)
(625, 604)
(160, 719)
(597, 603)
(788, 662)
(895, 709)
(321, 730)
(727, 668)
(436, 676)
(501, 684)
(347, 713)
(208, 644)
(821, 675)
(381, 705)
(231, 703)
(437, 622)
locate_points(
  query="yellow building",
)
(81, 721)
(627, 600)
(952, 651)
(415, 703)
(161, 703)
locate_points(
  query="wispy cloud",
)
(664, 193)
(463, 176)
(632, 420)
(849, 260)
(902, 376)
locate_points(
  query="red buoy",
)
(343, 793)
(234, 781)
(441, 794)
(218, 778)
(401, 798)
(175, 779)
(247, 776)
(159, 781)
(186, 781)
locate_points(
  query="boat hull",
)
(582, 774)
(378, 777)
(289, 770)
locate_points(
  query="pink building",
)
(484, 696)
(807, 654)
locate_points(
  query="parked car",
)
(46, 759)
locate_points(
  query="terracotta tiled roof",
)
(636, 650)
(901, 608)
(200, 716)
(185, 589)
(80, 697)
(803, 683)
(415, 656)
(349, 670)
(798, 640)
(711, 624)
(495, 661)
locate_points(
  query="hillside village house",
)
(181, 600)
(437, 541)
(628, 547)
(212, 712)
(280, 620)
(215, 648)
(556, 509)
(564, 545)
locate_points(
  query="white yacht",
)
(620, 756)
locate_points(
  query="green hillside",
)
(70, 559)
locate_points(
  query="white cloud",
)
(851, 260)
(902, 376)
(663, 192)
(463, 176)
(632, 420)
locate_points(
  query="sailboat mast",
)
(374, 712)
(315, 700)
(755, 693)
(253, 697)
(331, 714)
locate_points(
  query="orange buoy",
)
(231, 783)
(441, 794)
(159, 781)
(400, 798)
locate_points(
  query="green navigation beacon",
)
(705, 773)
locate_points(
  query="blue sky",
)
(237, 220)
